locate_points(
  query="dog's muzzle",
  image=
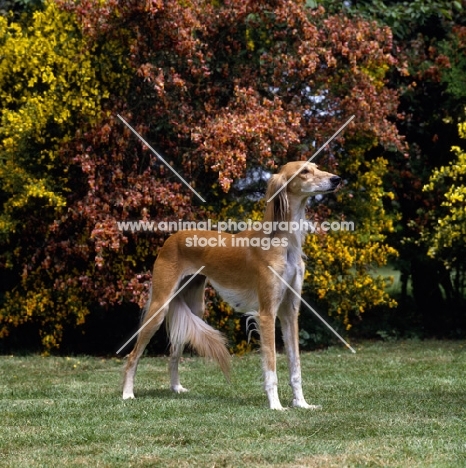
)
(335, 181)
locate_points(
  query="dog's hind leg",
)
(151, 322)
(185, 326)
(192, 298)
(176, 351)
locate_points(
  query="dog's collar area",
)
(313, 194)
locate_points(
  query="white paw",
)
(277, 406)
(128, 396)
(303, 404)
(179, 389)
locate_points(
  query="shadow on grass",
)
(228, 400)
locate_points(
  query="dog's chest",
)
(242, 300)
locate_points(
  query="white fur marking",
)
(241, 300)
(271, 388)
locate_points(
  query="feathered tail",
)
(184, 327)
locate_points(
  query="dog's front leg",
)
(288, 314)
(267, 332)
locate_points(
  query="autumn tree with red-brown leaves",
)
(220, 89)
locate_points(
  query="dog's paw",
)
(128, 396)
(179, 389)
(303, 404)
(277, 407)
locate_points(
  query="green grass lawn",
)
(397, 404)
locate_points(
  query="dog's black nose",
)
(335, 180)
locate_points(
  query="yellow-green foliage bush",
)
(53, 83)
(448, 239)
(342, 265)
(50, 84)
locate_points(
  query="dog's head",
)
(306, 179)
(297, 179)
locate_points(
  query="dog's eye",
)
(305, 171)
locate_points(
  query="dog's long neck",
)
(287, 209)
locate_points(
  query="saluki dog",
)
(242, 275)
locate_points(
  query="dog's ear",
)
(277, 208)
